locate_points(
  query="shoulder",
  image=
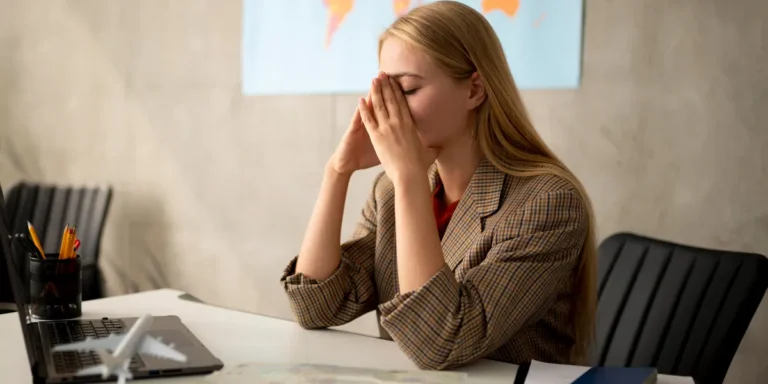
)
(523, 189)
(383, 188)
(542, 202)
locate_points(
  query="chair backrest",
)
(681, 309)
(6, 299)
(50, 208)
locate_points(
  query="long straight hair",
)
(462, 42)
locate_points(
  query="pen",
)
(35, 239)
(75, 243)
(27, 245)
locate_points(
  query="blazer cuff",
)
(347, 282)
(292, 280)
(422, 303)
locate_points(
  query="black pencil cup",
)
(55, 287)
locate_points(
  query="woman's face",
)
(439, 104)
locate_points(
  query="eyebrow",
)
(398, 75)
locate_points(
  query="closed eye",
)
(410, 91)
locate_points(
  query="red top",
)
(443, 212)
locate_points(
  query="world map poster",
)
(330, 46)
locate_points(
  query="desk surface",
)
(238, 337)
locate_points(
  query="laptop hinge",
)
(39, 367)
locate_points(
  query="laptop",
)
(60, 367)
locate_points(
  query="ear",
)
(476, 91)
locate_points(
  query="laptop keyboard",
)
(64, 332)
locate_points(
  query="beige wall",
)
(213, 189)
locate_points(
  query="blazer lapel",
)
(480, 200)
(463, 228)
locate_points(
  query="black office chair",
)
(6, 301)
(681, 309)
(50, 208)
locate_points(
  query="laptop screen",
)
(14, 275)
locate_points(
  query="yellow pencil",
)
(72, 239)
(70, 244)
(63, 246)
(35, 239)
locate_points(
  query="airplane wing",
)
(154, 347)
(111, 342)
(92, 370)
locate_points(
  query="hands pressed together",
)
(383, 132)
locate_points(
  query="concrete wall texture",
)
(213, 189)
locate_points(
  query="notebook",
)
(548, 373)
(615, 375)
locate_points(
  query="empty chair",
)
(6, 301)
(681, 309)
(50, 208)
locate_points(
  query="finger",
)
(379, 109)
(357, 121)
(388, 93)
(404, 110)
(356, 118)
(365, 115)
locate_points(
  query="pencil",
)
(63, 246)
(70, 243)
(72, 253)
(35, 239)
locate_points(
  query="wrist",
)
(332, 172)
(409, 180)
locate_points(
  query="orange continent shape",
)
(337, 11)
(401, 6)
(509, 7)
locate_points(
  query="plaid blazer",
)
(511, 250)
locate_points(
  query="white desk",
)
(238, 337)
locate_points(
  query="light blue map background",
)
(284, 52)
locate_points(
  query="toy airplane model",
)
(123, 348)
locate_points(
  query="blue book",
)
(618, 375)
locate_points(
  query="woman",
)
(476, 241)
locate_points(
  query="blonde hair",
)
(460, 39)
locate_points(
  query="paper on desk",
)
(546, 373)
(326, 374)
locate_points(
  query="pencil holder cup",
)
(55, 287)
